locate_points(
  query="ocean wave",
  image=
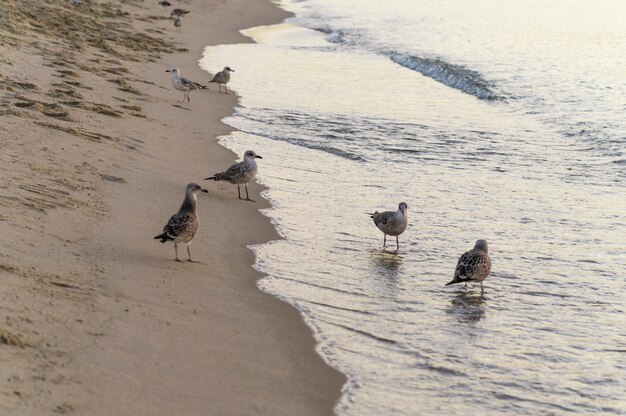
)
(455, 76)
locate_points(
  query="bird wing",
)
(219, 77)
(381, 218)
(178, 223)
(469, 264)
(235, 171)
(191, 84)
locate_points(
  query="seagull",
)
(242, 172)
(222, 78)
(183, 84)
(178, 22)
(165, 3)
(178, 12)
(473, 266)
(391, 222)
(183, 226)
(76, 2)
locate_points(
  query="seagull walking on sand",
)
(222, 78)
(178, 12)
(240, 173)
(183, 84)
(392, 222)
(473, 266)
(183, 226)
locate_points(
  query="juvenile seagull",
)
(391, 223)
(178, 12)
(222, 78)
(473, 266)
(183, 226)
(183, 84)
(242, 172)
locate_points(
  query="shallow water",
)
(495, 120)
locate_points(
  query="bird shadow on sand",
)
(467, 306)
(181, 107)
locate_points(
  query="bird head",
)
(403, 207)
(481, 245)
(194, 188)
(251, 154)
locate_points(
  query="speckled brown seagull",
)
(473, 266)
(240, 173)
(391, 222)
(222, 78)
(183, 226)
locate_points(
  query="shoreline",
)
(115, 326)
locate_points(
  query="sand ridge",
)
(96, 152)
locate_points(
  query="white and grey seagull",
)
(222, 78)
(240, 173)
(473, 265)
(183, 226)
(183, 84)
(392, 222)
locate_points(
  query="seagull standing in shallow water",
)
(473, 266)
(183, 84)
(242, 172)
(222, 78)
(391, 222)
(183, 226)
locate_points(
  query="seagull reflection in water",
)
(386, 267)
(467, 307)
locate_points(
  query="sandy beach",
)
(97, 149)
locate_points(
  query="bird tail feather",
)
(458, 280)
(163, 237)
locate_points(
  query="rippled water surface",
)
(492, 119)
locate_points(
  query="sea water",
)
(496, 120)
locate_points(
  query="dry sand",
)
(96, 151)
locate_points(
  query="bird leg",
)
(188, 99)
(176, 250)
(385, 241)
(465, 285)
(184, 95)
(482, 290)
(238, 191)
(397, 243)
(189, 253)
(225, 89)
(248, 196)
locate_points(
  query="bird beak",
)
(204, 190)
(232, 70)
(167, 70)
(258, 157)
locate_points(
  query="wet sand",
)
(97, 149)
